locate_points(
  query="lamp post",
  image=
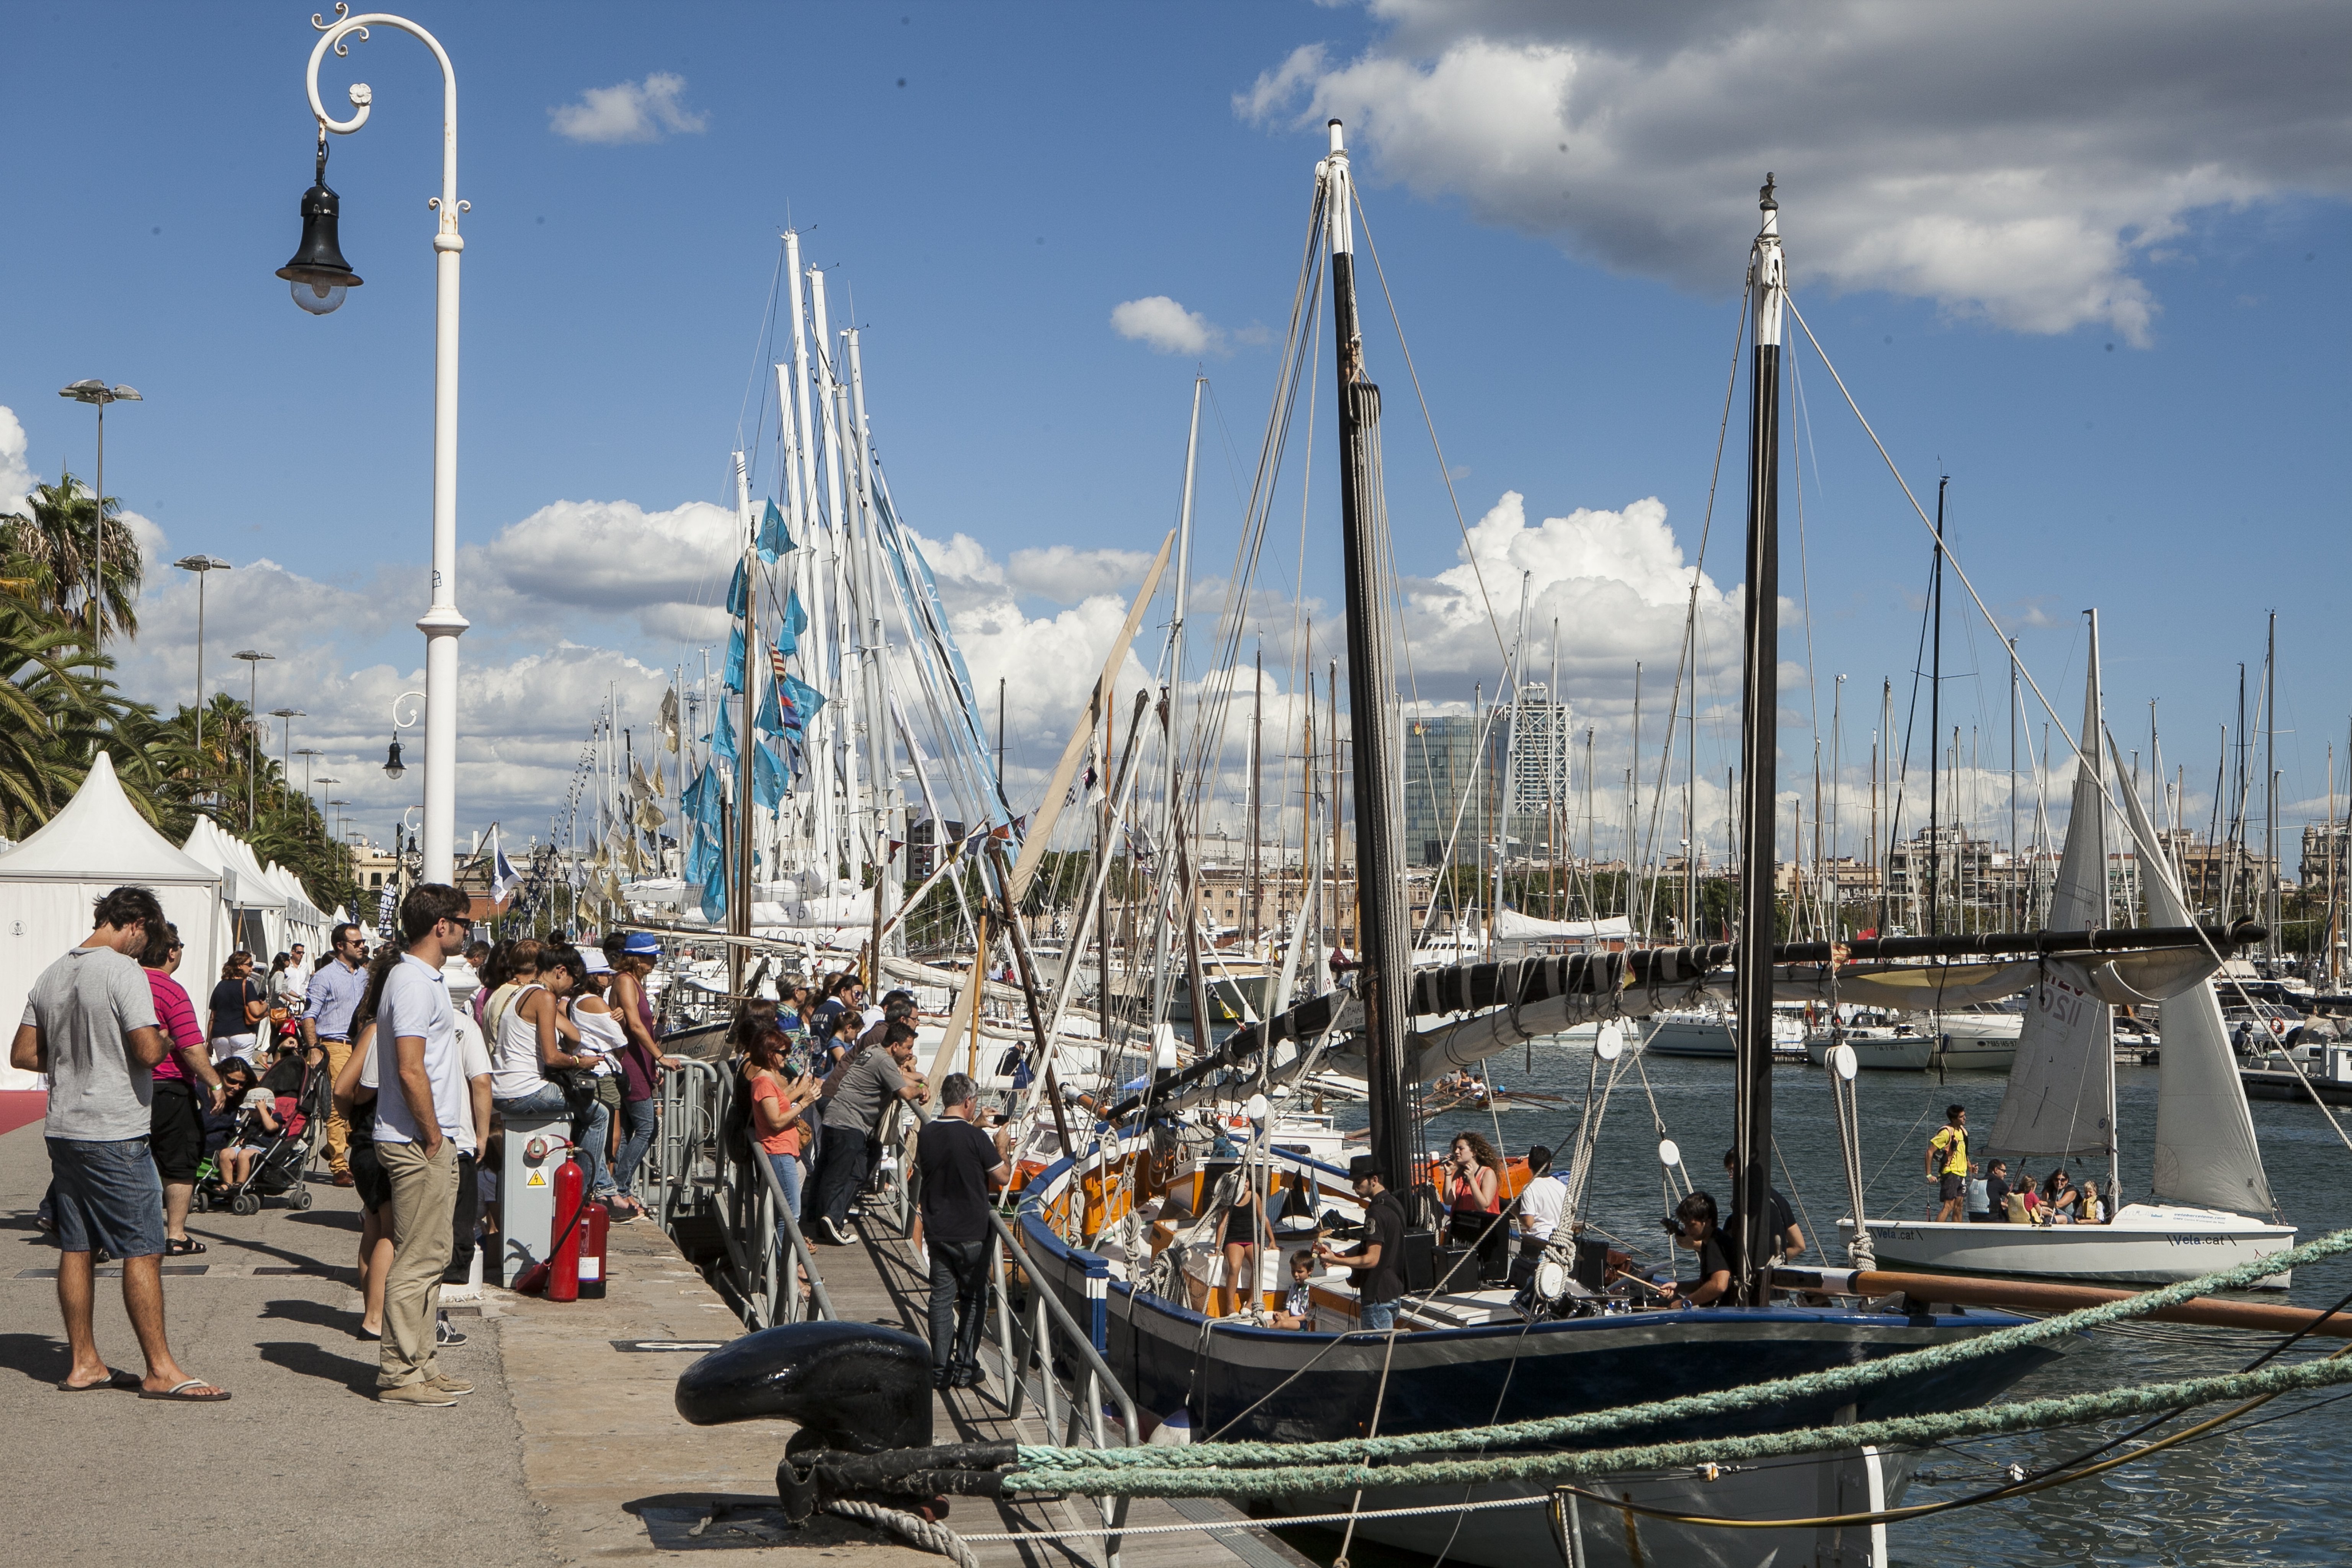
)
(339, 828)
(306, 753)
(393, 767)
(319, 278)
(286, 749)
(99, 393)
(253, 658)
(326, 787)
(201, 565)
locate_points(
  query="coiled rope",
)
(1253, 1470)
(929, 1534)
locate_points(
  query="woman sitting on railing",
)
(776, 1099)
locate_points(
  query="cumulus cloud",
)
(667, 569)
(1067, 575)
(16, 476)
(644, 110)
(1165, 327)
(2022, 164)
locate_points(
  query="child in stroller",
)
(273, 1142)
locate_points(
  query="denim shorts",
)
(1380, 1315)
(108, 1195)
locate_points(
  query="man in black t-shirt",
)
(960, 1166)
(1788, 1237)
(1997, 1192)
(1697, 1230)
(1377, 1266)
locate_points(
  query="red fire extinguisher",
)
(593, 1229)
(563, 1250)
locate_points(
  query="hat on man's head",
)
(1364, 1165)
(643, 941)
(595, 960)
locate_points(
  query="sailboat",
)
(2206, 1179)
(1118, 1231)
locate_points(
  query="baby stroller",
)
(286, 1156)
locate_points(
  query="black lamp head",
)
(318, 273)
(393, 766)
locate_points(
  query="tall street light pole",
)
(99, 393)
(253, 658)
(286, 750)
(306, 753)
(201, 565)
(320, 278)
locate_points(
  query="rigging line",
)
(762, 344)
(1469, 553)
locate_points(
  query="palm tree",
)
(57, 709)
(50, 546)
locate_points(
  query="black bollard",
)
(856, 1388)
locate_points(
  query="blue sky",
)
(2130, 358)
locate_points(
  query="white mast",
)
(844, 613)
(1510, 766)
(808, 574)
(888, 804)
(1175, 730)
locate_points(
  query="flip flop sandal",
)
(115, 1380)
(184, 1246)
(179, 1395)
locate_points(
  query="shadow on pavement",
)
(40, 1357)
(712, 1522)
(312, 1361)
(320, 1314)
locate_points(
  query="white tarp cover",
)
(1510, 925)
(2061, 1088)
(48, 882)
(2206, 1154)
(242, 886)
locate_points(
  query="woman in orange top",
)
(776, 1102)
(1473, 1194)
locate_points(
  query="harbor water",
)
(2275, 1487)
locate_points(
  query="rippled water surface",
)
(2276, 1488)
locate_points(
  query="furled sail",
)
(2062, 1089)
(2206, 1154)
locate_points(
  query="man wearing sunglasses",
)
(335, 991)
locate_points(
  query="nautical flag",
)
(735, 658)
(776, 662)
(504, 878)
(803, 702)
(670, 720)
(788, 636)
(714, 890)
(772, 718)
(739, 590)
(722, 737)
(768, 786)
(773, 541)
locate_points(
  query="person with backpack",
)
(1948, 1163)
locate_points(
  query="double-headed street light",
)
(320, 278)
(97, 391)
(286, 748)
(253, 658)
(201, 566)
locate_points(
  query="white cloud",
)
(629, 112)
(667, 569)
(1166, 326)
(1067, 575)
(2024, 163)
(15, 478)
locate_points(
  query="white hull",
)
(1875, 1051)
(2147, 1244)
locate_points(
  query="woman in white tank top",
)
(602, 1039)
(527, 1028)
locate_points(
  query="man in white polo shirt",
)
(420, 1106)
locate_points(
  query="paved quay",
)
(567, 1450)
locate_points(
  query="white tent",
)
(256, 906)
(49, 883)
(303, 924)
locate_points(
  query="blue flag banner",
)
(802, 702)
(714, 890)
(772, 718)
(738, 592)
(773, 541)
(768, 786)
(735, 656)
(723, 736)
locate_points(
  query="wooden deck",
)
(877, 1281)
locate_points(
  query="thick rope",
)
(1043, 1462)
(926, 1533)
(1549, 1467)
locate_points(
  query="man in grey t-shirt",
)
(89, 1025)
(851, 1119)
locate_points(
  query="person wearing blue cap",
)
(641, 1060)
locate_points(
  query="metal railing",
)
(700, 1185)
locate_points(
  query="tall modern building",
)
(1452, 786)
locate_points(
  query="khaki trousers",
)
(424, 1199)
(339, 1113)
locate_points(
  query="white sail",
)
(2062, 1089)
(2205, 1149)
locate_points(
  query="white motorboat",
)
(2211, 1204)
(1707, 1032)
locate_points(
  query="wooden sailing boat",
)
(1110, 1231)
(2206, 1178)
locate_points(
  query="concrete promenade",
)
(567, 1450)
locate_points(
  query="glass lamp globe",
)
(318, 298)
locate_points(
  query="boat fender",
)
(1173, 1432)
(859, 1388)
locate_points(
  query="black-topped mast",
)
(1383, 978)
(1760, 741)
(1935, 718)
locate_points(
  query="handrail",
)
(777, 1211)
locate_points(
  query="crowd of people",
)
(1985, 1192)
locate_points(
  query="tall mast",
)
(1175, 730)
(2014, 868)
(1633, 794)
(2269, 776)
(1257, 795)
(1385, 944)
(738, 903)
(1760, 740)
(889, 807)
(1510, 761)
(1934, 715)
(848, 703)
